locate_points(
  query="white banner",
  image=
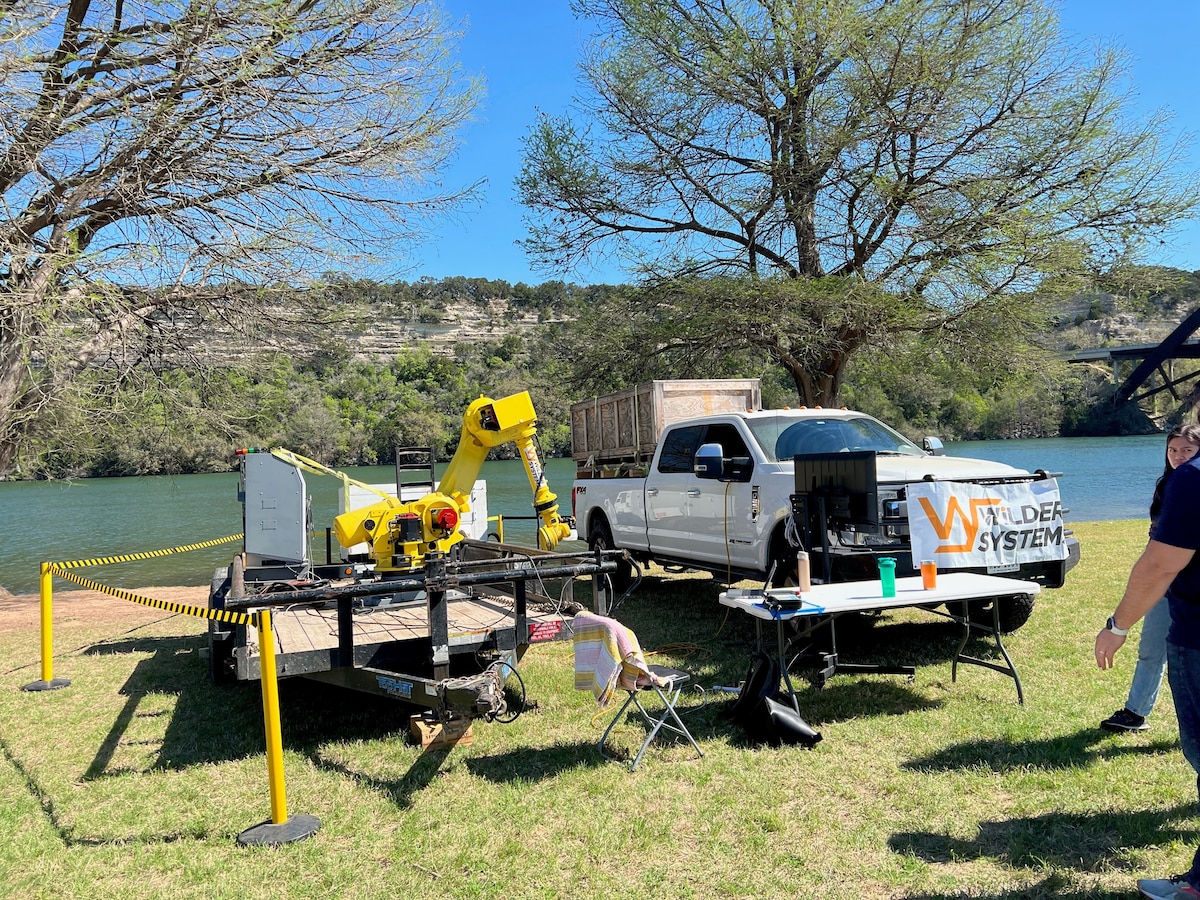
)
(966, 525)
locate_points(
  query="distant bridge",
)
(1155, 359)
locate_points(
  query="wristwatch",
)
(1111, 625)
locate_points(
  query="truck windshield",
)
(782, 437)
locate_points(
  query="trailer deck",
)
(307, 637)
(414, 639)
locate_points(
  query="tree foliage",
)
(323, 399)
(932, 160)
(171, 168)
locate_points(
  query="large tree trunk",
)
(20, 401)
(14, 363)
(820, 383)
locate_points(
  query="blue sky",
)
(527, 52)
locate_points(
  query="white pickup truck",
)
(718, 493)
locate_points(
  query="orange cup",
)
(928, 574)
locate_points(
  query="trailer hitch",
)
(479, 696)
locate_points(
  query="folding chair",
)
(607, 658)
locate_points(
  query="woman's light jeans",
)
(1151, 660)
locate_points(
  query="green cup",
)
(887, 575)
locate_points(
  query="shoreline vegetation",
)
(353, 397)
(138, 776)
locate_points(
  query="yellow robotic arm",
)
(401, 534)
(490, 423)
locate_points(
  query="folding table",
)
(825, 603)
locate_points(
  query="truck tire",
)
(783, 558)
(1014, 612)
(600, 538)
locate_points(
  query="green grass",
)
(136, 779)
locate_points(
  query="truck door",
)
(720, 511)
(668, 528)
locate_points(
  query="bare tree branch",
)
(165, 155)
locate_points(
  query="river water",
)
(1101, 478)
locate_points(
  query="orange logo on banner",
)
(954, 510)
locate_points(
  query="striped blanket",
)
(607, 657)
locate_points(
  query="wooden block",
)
(432, 733)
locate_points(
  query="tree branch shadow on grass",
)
(208, 723)
(211, 723)
(1084, 842)
(1063, 752)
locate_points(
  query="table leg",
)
(1008, 669)
(783, 666)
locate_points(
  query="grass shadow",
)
(1079, 841)
(530, 764)
(207, 724)
(214, 723)
(881, 640)
(860, 699)
(1053, 887)
(1067, 751)
(313, 713)
(399, 791)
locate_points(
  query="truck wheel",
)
(600, 538)
(783, 558)
(1014, 612)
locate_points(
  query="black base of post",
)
(296, 828)
(52, 685)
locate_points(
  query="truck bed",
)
(623, 427)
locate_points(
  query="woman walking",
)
(1183, 442)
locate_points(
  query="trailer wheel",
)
(600, 538)
(1014, 612)
(220, 634)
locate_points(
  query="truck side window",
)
(678, 448)
(729, 438)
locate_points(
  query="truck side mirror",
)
(709, 462)
(933, 446)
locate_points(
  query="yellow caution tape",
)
(149, 554)
(183, 609)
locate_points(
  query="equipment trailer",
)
(417, 608)
(444, 640)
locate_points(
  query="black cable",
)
(506, 719)
(629, 590)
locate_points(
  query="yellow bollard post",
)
(270, 694)
(46, 588)
(279, 829)
(48, 682)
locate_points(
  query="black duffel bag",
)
(759, 709)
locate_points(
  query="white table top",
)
(859, 596)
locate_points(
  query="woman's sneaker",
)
(1176, 888)
(1124, 720)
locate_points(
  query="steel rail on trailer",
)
(420, 638)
